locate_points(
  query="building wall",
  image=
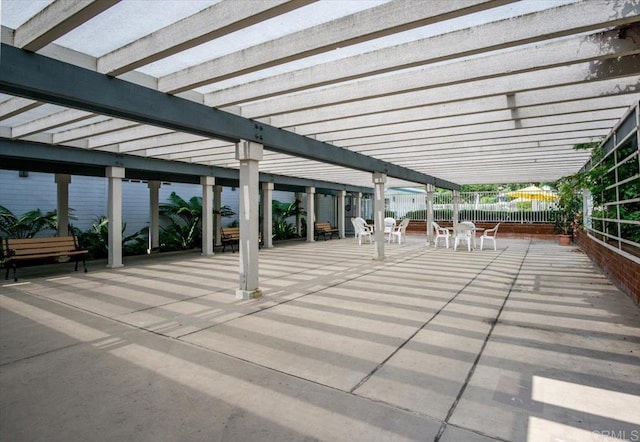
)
(88, 197)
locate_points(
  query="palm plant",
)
(184, 230)
(28, 224)
(96, 239)
(281, 212)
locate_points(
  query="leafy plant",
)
(28, 224)
(96, 239)
(568, 213)
(282, 229)
(184, 230)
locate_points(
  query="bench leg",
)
(84, 264)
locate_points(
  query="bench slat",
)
(40, 240)
(45, 255)
(34, 248)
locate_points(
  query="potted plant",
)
(567, 215)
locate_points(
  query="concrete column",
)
(62, 207)
(298, 197)
(217, 218)
(358, 207)
(154, 216)
(207, 214)
(379, 179)
(311, 213)
(430, 191)
(267, 217)
(249, 154)
(342, 195)
(114, 213)
(456, 206)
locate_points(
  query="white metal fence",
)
(523, 207)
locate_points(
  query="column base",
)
(114, 266)
(248, 294)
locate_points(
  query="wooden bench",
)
(325, 229)
(40, 250)
(231, 235)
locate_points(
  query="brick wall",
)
(541, 231)
(620, 270)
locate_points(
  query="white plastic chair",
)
(361, 230)
(490, 235)
(389, 226)
(400, 230)
(463, 233)
(364, 223)
(473, 231)
(441, 232)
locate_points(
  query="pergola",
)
(312, 94)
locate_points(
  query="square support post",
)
(311, 213)
(207, 214)
(154, 216)
(267, 217)
(342, 195)
(249, 154)
(62, 181)
(114, 213)
(456, 207)
(379, 179)
(430, 192)
(358, 211)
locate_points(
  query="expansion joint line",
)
(435, 315)
(482, 348)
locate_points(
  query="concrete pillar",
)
(342, 195)
(379, 179)
(114, 213)
(249, 154)
(311, 213)
(298, 197)
(456, 207)
(62, 206)
(207, 214)
(358, 199)
(430, 191)
(154, 216)
(267, 217)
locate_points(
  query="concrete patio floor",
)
(526, 343)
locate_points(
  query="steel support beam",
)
(37, 77)
(62, 159)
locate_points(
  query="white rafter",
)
(465, 90)
(57, 19)
(372, 23)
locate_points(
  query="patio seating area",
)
(430, 344)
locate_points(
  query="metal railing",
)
(613, 216)
(524, 207)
